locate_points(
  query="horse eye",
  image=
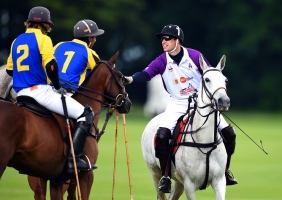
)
(226, 80)
(207, 79)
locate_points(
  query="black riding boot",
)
(165, 182)
(229, 141)
(79, 139)
(162, 149)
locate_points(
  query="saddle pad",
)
(179, 136)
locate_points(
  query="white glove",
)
(127, 80)
(60, 90)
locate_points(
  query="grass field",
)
(259, 175)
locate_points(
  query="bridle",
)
(118, 101)
(210, 95)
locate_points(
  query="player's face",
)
(168, 43)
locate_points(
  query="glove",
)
(127, 80)
(60, 90)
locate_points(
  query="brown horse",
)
(35, 145)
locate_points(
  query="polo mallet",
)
(71, 144)
(115, 157)
(127, 156)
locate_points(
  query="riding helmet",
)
(172, 30)
(40, 14)
(86, 28)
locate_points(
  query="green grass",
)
(259, 175)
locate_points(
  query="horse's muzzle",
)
(125, 106)
(223, 103)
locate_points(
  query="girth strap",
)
(200, 145)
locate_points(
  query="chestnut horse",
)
(36, 146)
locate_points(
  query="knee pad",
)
(88, 114)
(162, 146)
(229, 139)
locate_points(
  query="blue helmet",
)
(172, 30)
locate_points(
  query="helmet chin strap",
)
(174, 47)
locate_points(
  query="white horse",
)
(6, 83)
(189, 172)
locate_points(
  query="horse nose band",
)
(121, 101)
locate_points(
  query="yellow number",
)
(23, 48)
(67, 62)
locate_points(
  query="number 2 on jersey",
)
(69, 55)
(23, 48)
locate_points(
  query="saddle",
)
(32, 105)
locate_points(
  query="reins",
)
(116, 102)
(104, 104)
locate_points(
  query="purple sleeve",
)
(194, 55)
(157, 66)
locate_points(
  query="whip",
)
(261, 147)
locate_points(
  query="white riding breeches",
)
(47, 97)
(176, 108)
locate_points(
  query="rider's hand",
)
(60, 90)
(127, 80)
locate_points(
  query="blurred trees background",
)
(247, 32)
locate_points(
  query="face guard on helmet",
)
(172, 30)
(86, 28)
(41, 15)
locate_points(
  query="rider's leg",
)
(229, 141)
(162, 149)
(80, 134)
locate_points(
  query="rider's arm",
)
(52, 73)
(140, 77)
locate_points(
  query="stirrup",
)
(230, 180)
(91, 167)
(165, 184)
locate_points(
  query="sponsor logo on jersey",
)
(175, 81)
(170, 68)
(182, 79)
(189, 78)
(187, 90)
(190, 66)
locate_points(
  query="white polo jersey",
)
(181, 80)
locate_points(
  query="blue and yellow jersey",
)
(75, 61)
(30, 52)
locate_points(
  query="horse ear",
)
(221, 63)
(203, 63)
(114, 58)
